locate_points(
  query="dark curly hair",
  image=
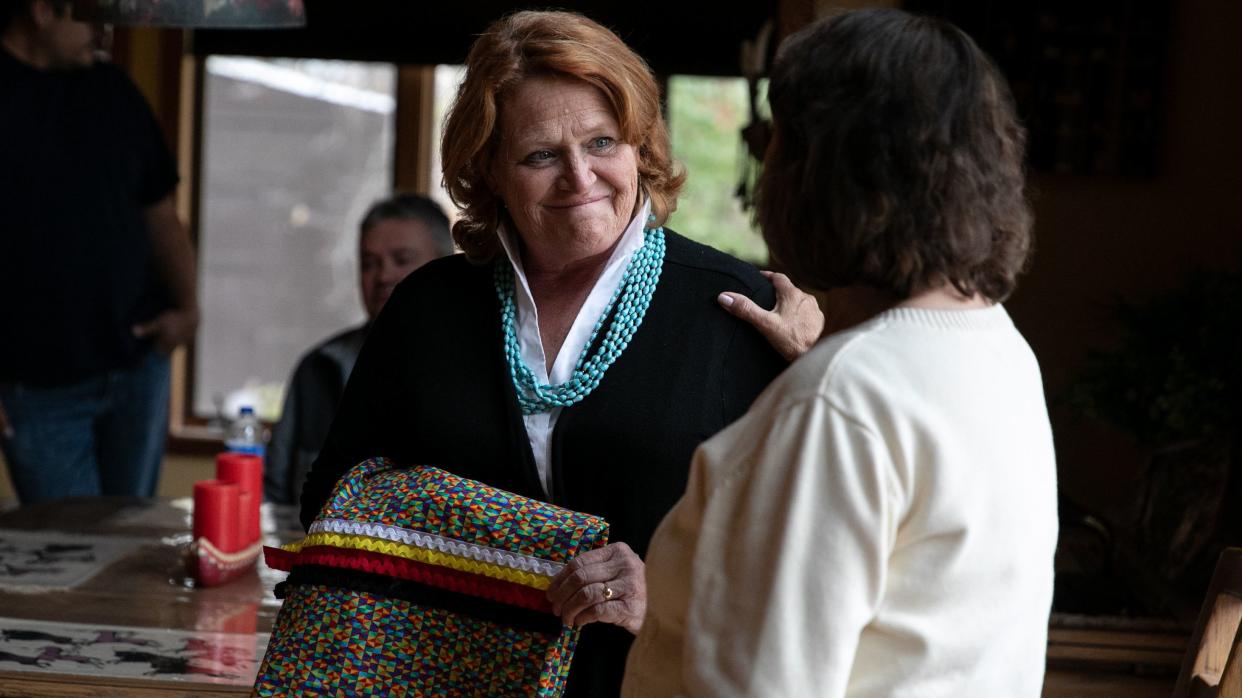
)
(896, 161)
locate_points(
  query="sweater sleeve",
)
(788, 543)
(751, 363)
(281, 448)
(363, 426)
(310, 403)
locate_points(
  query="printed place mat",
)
(45, 560)
(120, 652)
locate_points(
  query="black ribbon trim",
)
(422, 595)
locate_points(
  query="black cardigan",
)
(431, 386)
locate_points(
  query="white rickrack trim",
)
(430, 541)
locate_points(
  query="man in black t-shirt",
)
(97, 275)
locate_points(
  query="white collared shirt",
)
(539, 426)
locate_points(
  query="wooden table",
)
(146, 588)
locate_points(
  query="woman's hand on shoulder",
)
(606, 585)
(792, 327)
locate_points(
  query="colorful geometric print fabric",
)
(344, 643)
(448, 547)
(433, 501)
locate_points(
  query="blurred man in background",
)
(396, 236)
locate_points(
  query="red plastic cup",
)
(246, 471)
(216, 514)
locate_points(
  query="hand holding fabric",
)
(606, 585)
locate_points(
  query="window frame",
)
(414, 137)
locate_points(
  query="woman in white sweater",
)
(882, 522)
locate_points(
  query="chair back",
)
(1212, 667)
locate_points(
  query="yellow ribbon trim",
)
(430, 557)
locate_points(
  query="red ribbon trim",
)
(402, 568)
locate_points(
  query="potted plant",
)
(1173, 381)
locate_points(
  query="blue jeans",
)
(104, 435)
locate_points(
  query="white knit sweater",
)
(881, 523)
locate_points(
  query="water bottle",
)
(245, 434)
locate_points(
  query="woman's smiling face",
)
(569, 183)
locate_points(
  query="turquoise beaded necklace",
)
(632, 298)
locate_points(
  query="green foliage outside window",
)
(705, 118)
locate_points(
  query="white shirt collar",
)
(539, 426)
(528, 315)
